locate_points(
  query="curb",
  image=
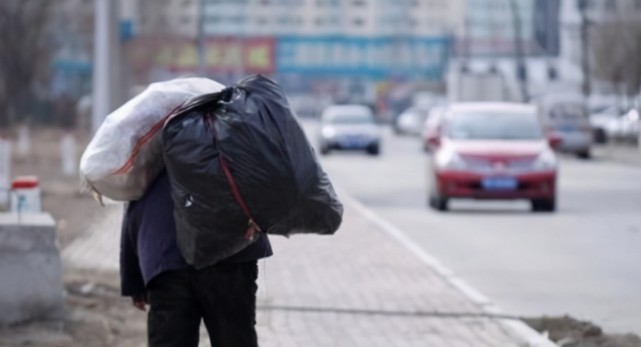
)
(627, 157)
(530, 337)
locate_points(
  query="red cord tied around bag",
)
(252, 227)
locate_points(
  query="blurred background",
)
(66, 64)
(382, 53)
(378, 52)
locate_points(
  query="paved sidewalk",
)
(360, 287)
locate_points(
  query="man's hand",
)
(139, 302)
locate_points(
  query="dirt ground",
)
(96, 314)
(96, 317)
(569, 332)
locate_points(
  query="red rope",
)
(252, 227)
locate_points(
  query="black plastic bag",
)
(251, 129)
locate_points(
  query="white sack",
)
(125, 155)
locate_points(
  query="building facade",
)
(597, 12)
(173, 18)
(301, 39)
(494, 28)
(363, 18)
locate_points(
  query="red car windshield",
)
(493, 126)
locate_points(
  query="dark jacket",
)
(148, 240)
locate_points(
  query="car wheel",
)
(438, 203)
(585, 154)
(600, 136)
(374, 149)
(426, 147)
(324, 150)
(544, 205)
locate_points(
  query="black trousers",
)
(223, 296)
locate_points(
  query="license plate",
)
(352, 143)
(499, 183)
(567, 128)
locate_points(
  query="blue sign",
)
(377, 58)
(126, 30)
(72, 66)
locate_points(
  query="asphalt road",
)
(584, 260)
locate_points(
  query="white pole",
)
(5, 171)
(101, 79)
(68, 155)
(24, 141)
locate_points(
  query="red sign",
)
(250, 55)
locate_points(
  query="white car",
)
(411, 121)
(349, 127)
(567, 119)
(612, 124)
(629, 126)
(605, 123)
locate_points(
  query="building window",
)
(319, 21)
(359, 3)
(358, 22)
(637, 4)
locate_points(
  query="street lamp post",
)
(200, 40)
(585, 42)
(521, 69)
(101, 78)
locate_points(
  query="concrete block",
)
(30, 268)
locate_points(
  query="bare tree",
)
(616, 50)
(24, 57)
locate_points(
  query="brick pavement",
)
(359, 287)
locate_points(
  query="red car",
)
(494, 151)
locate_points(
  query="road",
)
(584, 260)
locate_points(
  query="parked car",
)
(604, 122)
(431, 127)
(496, 151)
(410, 122)
(567, 119)
(349, 127)
(628, 127)
(614, 124)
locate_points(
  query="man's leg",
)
(227, 294)
(174, 316)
